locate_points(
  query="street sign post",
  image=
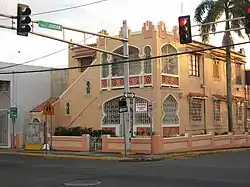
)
(13, 112)
(13, 116)
(150, 110)
(48, 110)
(48, 25)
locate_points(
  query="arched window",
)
(105, 69)
(134, 67)
(169, 64)
(88, 87)
(147, 63)
(36, 120)
(170, 111)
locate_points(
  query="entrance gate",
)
(4, 127)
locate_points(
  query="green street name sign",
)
(48, 25)
(13, 112)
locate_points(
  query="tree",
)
(213, 10)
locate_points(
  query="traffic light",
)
(185, 29)
(122, 103)
(247, 21)
(23, 19)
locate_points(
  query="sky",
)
(105, 15)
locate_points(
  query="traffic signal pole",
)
(127, 119)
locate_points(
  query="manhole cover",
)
(82, 183)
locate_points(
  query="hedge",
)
(79, 131)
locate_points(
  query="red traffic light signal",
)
(247, 21)
(185, 33)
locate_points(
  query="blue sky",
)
(106, 15)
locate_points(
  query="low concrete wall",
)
(176, 144)
(71, 143)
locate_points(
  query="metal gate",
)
(95, 144)
(4, 127)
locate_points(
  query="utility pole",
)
(126, 86)
(229, 75)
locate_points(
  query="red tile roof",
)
(39, 108)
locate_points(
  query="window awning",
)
(196, 95)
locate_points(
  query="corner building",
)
(188, 91)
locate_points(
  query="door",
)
(3, 127)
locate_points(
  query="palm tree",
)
(212, 10)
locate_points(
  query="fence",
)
(176, 144)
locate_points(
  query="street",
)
(227, 169)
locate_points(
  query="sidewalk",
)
(83, 155)
(115, 156)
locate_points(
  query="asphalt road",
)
(228, 169)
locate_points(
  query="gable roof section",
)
(39, 108)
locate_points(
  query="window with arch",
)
(134, 68)
(169, 64)
(105, 68)
(112, 115)
(88, 87)
(36, 120)
(170, 111)
(148, 62)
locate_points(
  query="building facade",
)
(23, 91)
(188, 91)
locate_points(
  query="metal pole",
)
(124, 134)
(88, 32)
(81, 45)
(13, 134)
(214, 22)
(235, 29)
(126, 83)
(151, 134)
(46, 135)
(13, 104)
(51, 133)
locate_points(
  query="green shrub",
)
(79, 131)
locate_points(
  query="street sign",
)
(129, 94)
(48, 25)
(141, 107)
(122, 110)
(48, 109)
(13, 112)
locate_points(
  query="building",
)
(188, 91)
(23, 91)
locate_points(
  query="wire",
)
(64, 9)
(124, 61)
(39, 58)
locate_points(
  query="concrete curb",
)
(65, 156)
(199, 153)
(127, 159)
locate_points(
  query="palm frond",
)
(214, 10)
(201, 10)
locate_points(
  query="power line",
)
(124, 61)
(40, 58)
(64, 9)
